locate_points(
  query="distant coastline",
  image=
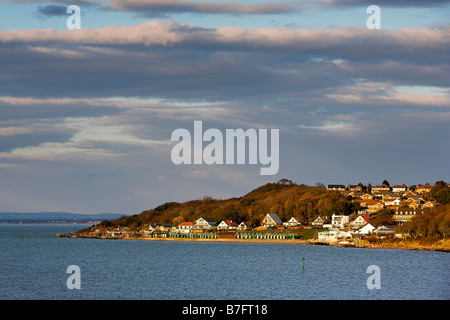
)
(56, 217)
(49, 221)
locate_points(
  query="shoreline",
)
(298, 241)
(404, 245)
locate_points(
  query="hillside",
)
(284, 197)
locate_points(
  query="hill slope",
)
(285, 199)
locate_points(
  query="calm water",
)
(33, 265)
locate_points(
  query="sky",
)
(86, 115)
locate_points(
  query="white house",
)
(205, 223)
(384, 231)
(339, 221)
(399, 188)
(367, 229)
(185, 227)
(227, 225)
(360, 220)
(333, 235)
(271, 220)
(244, 226)
(319, 221)
(293, 222)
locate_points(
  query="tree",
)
(105, 223)
(285, 182)
(444, 226)
(382, 217)
(443, 196)
(385, 182)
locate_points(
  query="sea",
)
(37, 265)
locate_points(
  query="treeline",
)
(285, 198)
(431, 224)
(441, 192)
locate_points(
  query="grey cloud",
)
(383, 3)
(43, 110)
(162, 7)
(8, 143)
(216, 64)
(52, 10)
(71, 2)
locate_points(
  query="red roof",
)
(186, 224)
(230, 223)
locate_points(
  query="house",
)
(293, 222)
(227, 225)
(384, 231)
(413, 205)
(390, 196)
(423, 188)
(244, 225)
(332, 235)
(336, 187)
(354, 188)
(429, 204)
(360, 220)
(339, 221)
(383, 187)
(374, 206)
(367, 229)
(185, 227)
(395, 202)
(404, 214)
(367, 196)
(271, 220)
(116, 233)
(416, 199)
(355, 194)
(205, 224)
(390, 202)
(319, 221)
(399, 188)
(160, 226)
(409, 193)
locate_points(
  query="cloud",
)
(167, 60)
(384, 94)
(15, 108)
(344, 43)
(162, 7)
(382, 3)
(102, 104)
(72, 2)
(52, 10)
